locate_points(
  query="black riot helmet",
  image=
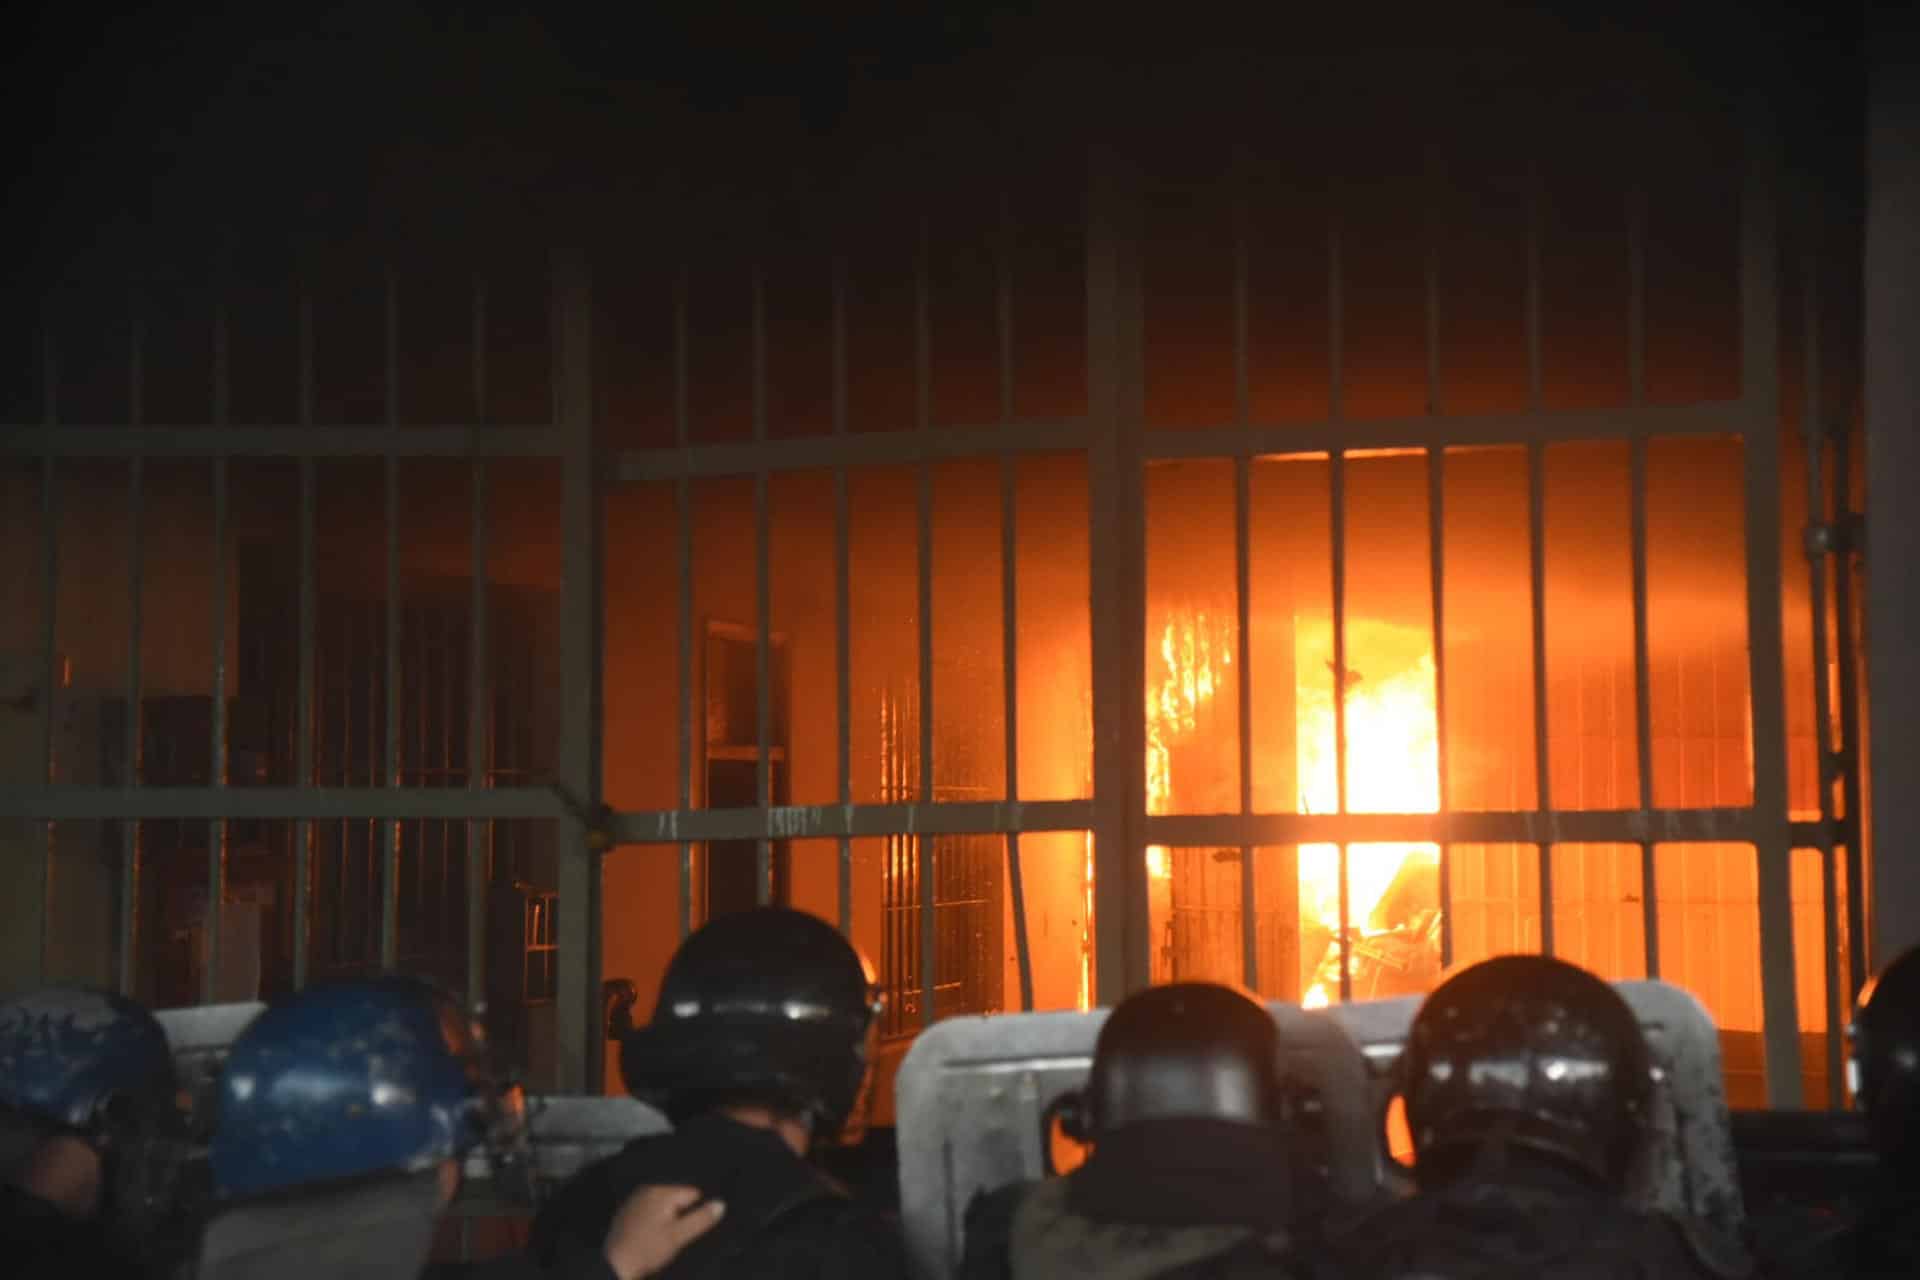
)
(1883, 1061)
(1190, 1051)
(768, 1006)
(1530, 1053)
(1185, 1112)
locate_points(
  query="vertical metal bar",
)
(1010, 594)
(1849, 726)
(479, 671)
(1243, 588)
(683, 502)
(1010, 684)
(303, 711)
(582, 1055)
(50, 676)
(1116, 579)
(389, 935)
(1243, 572)
(303, 726)
(1535, 371)
(1336, 313)
(763, 571)
(1436, 548)
(1432, 273)
(1003, 307)
(1543, 781)
(1637, 296)
(842, 590)
(1643, 700)
(924, 846)
(923, 409)
(1760, 393)
(1337, 492)
(1813, 420)
(763, 780)
(1642, 660)
(217, 829)
(130, 830)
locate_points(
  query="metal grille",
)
(387, 712)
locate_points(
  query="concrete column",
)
(1892, 333)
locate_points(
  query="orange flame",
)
(1391, 747)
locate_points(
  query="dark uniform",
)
(1528, 1084)
(784, 1216)
(768, 1009)
(1883, 1064)
(1189, 1175)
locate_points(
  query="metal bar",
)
(1432, 273)
(1460, 431)
(1336, 320)
(922, 847)
(827, 821)
(763, 577)
(1537, 488)
(842, 593)
(843, 686)
(763, 766)
(479, 672)
(1812, 422)
(128, 923)
(1643, 702)
(1850, 736)
(1243, 574)
(303, 731)
(1010, 685)
(1637, 297)
(1436, 546)
(217, 440)
(683, 502)
(1535, 373)
(217, 829)
(1642, 662)
(1337, 490)
(1003, 308)
(305, 697)
(1760, 388)
(1116, 579)
(923, 415)
(64, 803)
(577, 984)
(1577, 826)
(389, 937)
(1010, 594)
(1542, 751)
(49, 641)
(1243, 586)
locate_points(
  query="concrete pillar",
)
(1893, 468)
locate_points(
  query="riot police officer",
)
(759, 1051)
(96, 1131)
(1189, 1171)
(1527, 1084)
(346, 1113)
(1884, 1069)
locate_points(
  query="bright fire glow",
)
(1391, 748)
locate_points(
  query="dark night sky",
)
(157, 135)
